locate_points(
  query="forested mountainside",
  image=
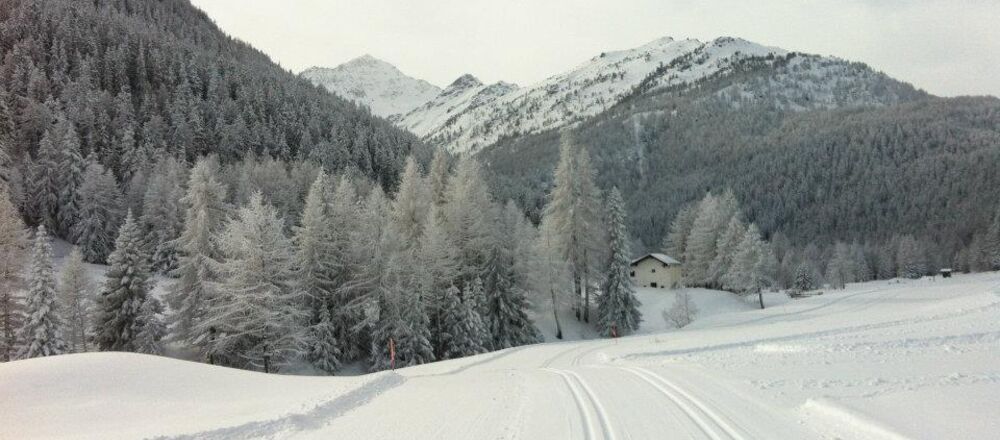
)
(817, 157)
(139, 79)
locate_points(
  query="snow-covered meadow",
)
(885, 359)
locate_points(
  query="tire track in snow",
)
(710, 422)
(579, 389)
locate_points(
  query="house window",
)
(653, 285)
(632, 274)
(654, 270)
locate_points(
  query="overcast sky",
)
(947, 47)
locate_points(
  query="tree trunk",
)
(555, 313)
(586, 288)
(760, 296)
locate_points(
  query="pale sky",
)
(947, 47)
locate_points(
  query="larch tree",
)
(726, 247)
(753, 266)
(700, 250)
(409, 208)
(466, 217)
(675, 243)
(257, 314)
(618, 307)
(126, 288)
(911, 260)
(438, 177)
(315, 269)
(100, 214)
(13, 254)
(197, 270)
(841, 269)
(41, 332)
(77, 302)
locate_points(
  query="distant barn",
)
(657, 271)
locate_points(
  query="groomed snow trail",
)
(883, 360)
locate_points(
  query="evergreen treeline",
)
(103, 87)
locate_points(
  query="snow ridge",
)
(374, 83)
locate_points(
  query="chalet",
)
(657, 271)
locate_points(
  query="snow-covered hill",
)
(880, 360)
(374, 83)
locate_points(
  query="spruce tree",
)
(45, 180)
(41, 332)
(618, 307)
(100, 214)
(126, 287)
(163, 213)
(461, 327)
(152, 330)
(71, 168)
(77, 302)
(804, 279)
(321, 343)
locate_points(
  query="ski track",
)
(579, 388)
(312, 419)
(706, 419)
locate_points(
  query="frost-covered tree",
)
(572, 218)
(71, 167)
(726, 247)
(41, 332)
(257, 315)
(100, 214)
(911, 260)
(507, 281)
(438, 177)
(409, 208)
(682, 311)
(163, 213)
(618, 307)
(675, 243)
(842, 267)
(197, 269)
(76, 302)
(701, 249)
(466, 216)
(805, 278)
(401, 327)
(552, 275)
(754, 265)
(13, 255)
(461, 329)
(45, 180)
(126, 287)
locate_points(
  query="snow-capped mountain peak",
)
(374, 83)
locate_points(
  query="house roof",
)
(663, 258)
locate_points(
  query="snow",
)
(378, 85)
(897, 359)
(663, 258)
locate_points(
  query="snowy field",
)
(881, 360)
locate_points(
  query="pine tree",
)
(258, 316)
(461, 327)
(77, 303)
(618, 307)
(197, 269)
(100, 214)
(41, 332)
(126, 287)
(13, 254)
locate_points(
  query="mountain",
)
(140, 79)
(470, 115)
(375, 84)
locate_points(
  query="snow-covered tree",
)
(401, 326)
(126, 288)
(682, 311)
(100, 214)
(842, 267)
(805, 278)
(152, 330)
(438, 177)
(618, 307)
(45, 180)
(321, 345)
(461, 329)
(726, 247)
(163, 213)
(409, 208)
(675, 243)
(41, 332)
(13, 254)
(71, 167)
(197, 269)
(701, 249)
(507, 281)
(572, 218)
(466, 215)
(77, 302)
(754, 265)
(552, 275)
(257, 315)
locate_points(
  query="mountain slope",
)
(139, 79)
(375, 84)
